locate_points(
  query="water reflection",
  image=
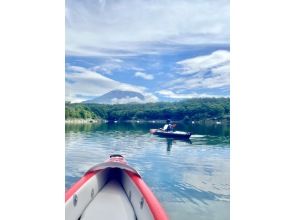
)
(171, 141)
(206, 128)
(189, 177)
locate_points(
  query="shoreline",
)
(100, 121)
(82, 121)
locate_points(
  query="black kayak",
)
(171, 134)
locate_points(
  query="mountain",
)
(118, 97)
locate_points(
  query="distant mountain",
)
(118, 97)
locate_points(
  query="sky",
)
(165, 49)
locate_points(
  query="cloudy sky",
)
(164, 49)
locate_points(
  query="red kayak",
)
(112, 190)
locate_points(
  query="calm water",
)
(190, 179)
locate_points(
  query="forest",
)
(190, 109)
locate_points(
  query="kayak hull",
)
(112, 190)
(170, 134)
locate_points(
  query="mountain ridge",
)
(117, 97)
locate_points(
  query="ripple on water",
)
(189, 178)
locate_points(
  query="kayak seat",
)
(111, 203)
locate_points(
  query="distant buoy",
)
(193, 122)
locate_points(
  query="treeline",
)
(191, 109)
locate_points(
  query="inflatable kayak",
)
(171, 134)
(112, 190)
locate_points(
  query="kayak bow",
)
(112, 190)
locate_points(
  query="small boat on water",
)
(112, 190)
(171, 134)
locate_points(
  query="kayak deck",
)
(112, 190)
(172, 134)
(110, 203)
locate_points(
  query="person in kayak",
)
(168, 126)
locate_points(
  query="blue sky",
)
(164, 49)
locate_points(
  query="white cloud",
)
(76, 68)
(140, 69)
(209, 71)
(204, 63)
(109, 66)
(81, 81)
(144, 75)
(149, 97)
(127, 100)
(171, 94)
(131, 27)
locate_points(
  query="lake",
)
(191, 179)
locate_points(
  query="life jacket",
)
(165, 127)
(168, 127)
